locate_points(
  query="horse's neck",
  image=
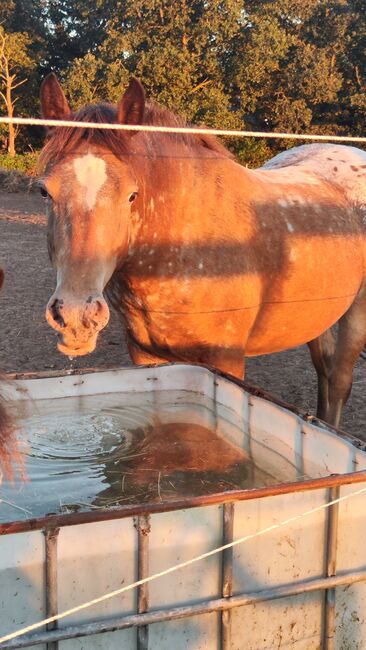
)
(179, 184)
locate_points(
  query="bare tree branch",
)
(9, 81)
(203, 83)
(20, 83)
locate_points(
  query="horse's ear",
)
(130, 109)
(54, 104)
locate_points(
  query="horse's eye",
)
(44, 192)
(132, 197)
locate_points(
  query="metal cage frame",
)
(52, 526)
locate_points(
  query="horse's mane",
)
(64, 140)
(155, 115)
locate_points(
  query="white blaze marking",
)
(91, 174)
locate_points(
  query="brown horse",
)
(207, 261)
(9, 452)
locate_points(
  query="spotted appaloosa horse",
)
(206, 261)
(9, 452)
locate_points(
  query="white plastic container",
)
(275, 590)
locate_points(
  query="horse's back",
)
(341, 165)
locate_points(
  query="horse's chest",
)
(191, 321)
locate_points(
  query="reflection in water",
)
(175, 459)
(105, 450)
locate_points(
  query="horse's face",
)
(89, 198)
(89, 194)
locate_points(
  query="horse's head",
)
(89, 190)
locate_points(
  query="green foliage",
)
(25, 162)
(280, 65)
(16, 47)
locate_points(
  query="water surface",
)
(107, 450)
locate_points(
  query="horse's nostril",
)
(101, 312)
(55, 310)
(95, 315)
(100, 307)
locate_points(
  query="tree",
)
(285, 65)
(76, 29)
(14, 61)
(176, 49)
(296, 63)
(261, 65)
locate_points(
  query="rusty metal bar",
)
(227, 573)
(51, 537)
(331, 561)
(175, 613)
(143, 529)
(57, 521)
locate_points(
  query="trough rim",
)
(60, 520)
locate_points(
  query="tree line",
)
(268, 65)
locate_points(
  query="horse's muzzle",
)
(77, 322)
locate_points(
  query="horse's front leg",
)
(230, 361)
(141, 357)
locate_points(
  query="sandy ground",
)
(28, 344)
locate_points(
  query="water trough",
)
(299, 585)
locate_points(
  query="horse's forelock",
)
(65, 140)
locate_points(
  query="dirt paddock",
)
(28, 344)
